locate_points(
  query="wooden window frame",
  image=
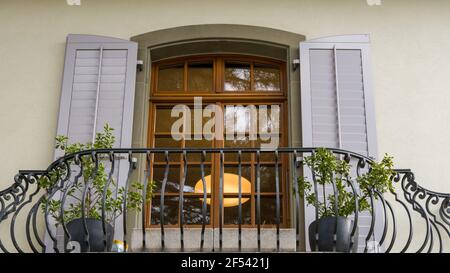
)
(223, 98)
(218, 76)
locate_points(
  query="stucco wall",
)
(410, 46)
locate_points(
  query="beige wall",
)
(410, 46)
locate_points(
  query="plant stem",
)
(324, 200)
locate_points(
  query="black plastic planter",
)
(95, 229)
(325, 230)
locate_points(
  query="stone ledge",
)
(192, 238)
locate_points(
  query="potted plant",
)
(96, 183)
(333, 214)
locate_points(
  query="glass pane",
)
(170, 78)
(242, 120)
(164, 120)
(229, 120)
(200, 119)
(269, 141)
(170, 210)
(196, 157)
(267, 78)
(237, 76)
(231, 185)
(238, 142)
(268, 210)
(194, 177)
(271, 115)
(200, 76)
(231, 214)
(173, 178)
(233, 169)
(239, 120)
(267, 178)
(193, 211)
(166, 142)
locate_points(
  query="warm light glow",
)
(230, 185)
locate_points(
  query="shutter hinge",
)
(140, 65)
(295, 64)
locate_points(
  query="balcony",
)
(38, 210)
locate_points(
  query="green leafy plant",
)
(327, 167)
(96, 179)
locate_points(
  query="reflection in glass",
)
(173, 178)
(229, 120)
(192, 211)
(269, 119)
(234, 169)
(194, 175)
(267, 178)
(170, 78)
(242, 115)
(240, 119)
(230, 186)
(237, 77)
(170, 211)
(200, 76)
(267, 78)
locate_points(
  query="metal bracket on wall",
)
(295, 64)
(140, 65)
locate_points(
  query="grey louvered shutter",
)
(97, 88)
(336, 99)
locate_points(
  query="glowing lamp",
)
(230, 185)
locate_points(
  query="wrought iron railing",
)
(413, 219)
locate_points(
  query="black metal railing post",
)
(161, 205)
(202, 169)
(258, 198)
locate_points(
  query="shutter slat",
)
(86, 62)
(115, 54)
(114, 70)
(86, 70)
(112, 87)
(349, 73)
(112, 92)
(88, 54)
(115, 62)
(323, 99)
(85, 79)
